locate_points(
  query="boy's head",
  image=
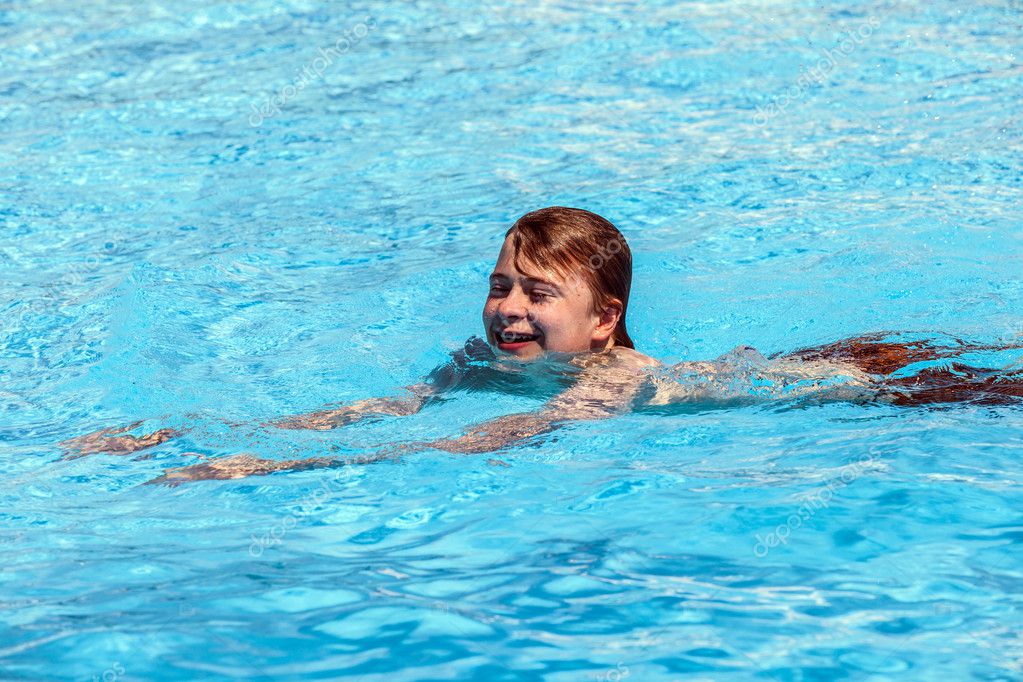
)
(561, 284)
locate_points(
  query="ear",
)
(608, 320)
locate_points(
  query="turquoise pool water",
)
(218, 213)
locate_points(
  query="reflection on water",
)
(166, 260)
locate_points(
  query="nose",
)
(515, 305)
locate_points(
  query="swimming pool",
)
(218, 213)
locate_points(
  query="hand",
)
(107, 440)
(237, 466)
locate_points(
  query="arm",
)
(109, 441)
(588, 399)
(347, 414)
(500, 432)
(444, 377)
(599, 393)
(243, 465)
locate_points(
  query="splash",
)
(899, 369)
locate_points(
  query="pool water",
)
(217, 213)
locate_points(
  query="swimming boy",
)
(559, 294)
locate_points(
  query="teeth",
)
(509, 337)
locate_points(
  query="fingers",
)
(115, 431)
(125, 445)
(103, 441)
(154, 438)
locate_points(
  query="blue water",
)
(179, 246)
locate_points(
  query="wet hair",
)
(577, 243)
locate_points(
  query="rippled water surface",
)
(217, 213)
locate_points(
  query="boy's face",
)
(528, 314)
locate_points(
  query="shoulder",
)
(616, 359)
(608, 384)
(629, 357)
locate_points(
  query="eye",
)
(498, 289)
(539, 296)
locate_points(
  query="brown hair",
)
(571, 239)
